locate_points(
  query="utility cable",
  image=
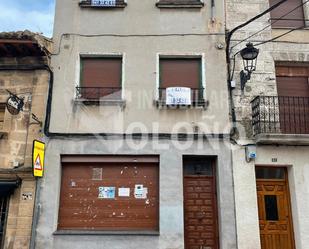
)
(279, 36)
(276, 20)
(131, 35)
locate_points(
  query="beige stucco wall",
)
(140, 66)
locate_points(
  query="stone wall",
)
(291, 47)
(16, 144)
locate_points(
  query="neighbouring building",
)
(23, 76)
(272, 114)
(137, 132)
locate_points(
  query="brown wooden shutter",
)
(82, 209)
(292, 81)
(101, 72)
(293, 20)
(101, 77)
(180, 73)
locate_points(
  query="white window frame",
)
(180, 56)
(100, 55)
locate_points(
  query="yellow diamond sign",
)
(38, 154)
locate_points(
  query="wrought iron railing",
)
(96, 93)
(197, 97)
(280, 114)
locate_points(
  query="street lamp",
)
(249, 56)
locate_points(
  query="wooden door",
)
(200, 211)
(275, 217)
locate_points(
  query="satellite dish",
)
(14, 104)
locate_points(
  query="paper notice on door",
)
(124, 192)
(106, 192)
(140, 192)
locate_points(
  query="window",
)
(269, 173)
(3, 217)
(109, 193)
(290, 13)
(100, 77)
(271, 208)
(293, 97)
(180, 4)
(181, 72)
(2, 112)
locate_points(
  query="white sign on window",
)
(108, 3)
(178, 96)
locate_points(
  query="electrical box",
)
(250, 152)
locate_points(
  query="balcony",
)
(281, 119)
(197, 99)
(99, 95)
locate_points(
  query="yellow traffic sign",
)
(38, 154)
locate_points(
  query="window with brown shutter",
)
(293, 98)
(100, 77)
(2, 111)
(180, 4)
(181, 72)
(280, 18)
(102, 4)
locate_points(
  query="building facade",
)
(272, 116)
(137, 133)
(23, 76)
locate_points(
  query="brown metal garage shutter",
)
(295, 19)
(82, 209)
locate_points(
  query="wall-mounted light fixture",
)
(249, 56)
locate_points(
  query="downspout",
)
(213, 11)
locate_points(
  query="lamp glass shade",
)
(249, 55)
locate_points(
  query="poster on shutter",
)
(107, 192)
(103, 3)
(178, 96)
(140, 192)
(124, 192)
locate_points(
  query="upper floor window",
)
(103, 3)
(2, 111)
(100, 77)
(180, 4)
(181, 73)
(290, 14)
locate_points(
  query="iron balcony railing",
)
(96, 93)
(197, 97)
(280, 115)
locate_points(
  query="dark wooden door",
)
(275, 214)
(200, 211)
